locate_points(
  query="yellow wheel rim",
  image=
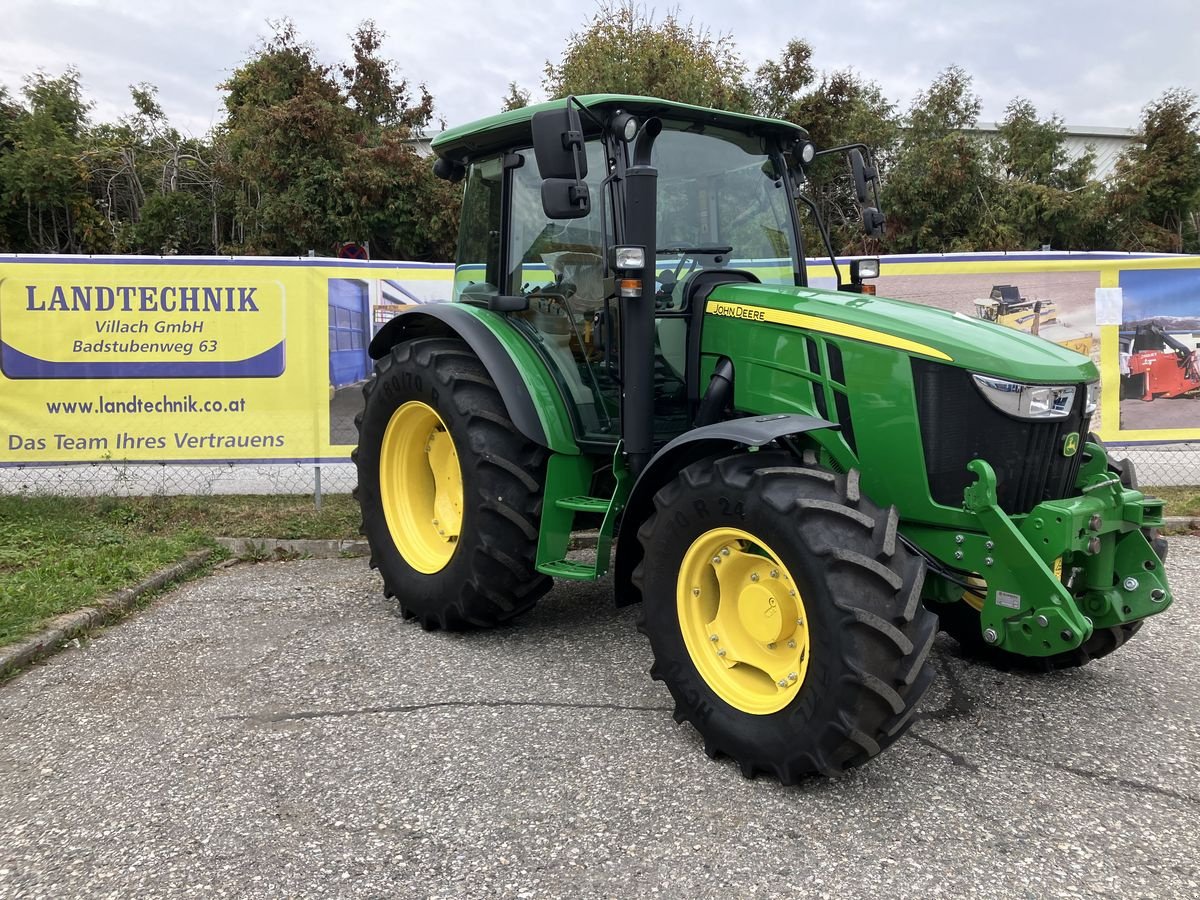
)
(743, 620)
(420, 483)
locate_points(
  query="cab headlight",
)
(1027, 401)
(1093, 398)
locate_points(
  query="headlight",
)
(1027, 401)
(1092, 399)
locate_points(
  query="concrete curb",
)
(62, 628)
(277, 548)
(1181, 523)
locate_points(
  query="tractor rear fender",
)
(681, 452)
(526, 386)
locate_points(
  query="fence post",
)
(317, 492)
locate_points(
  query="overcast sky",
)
(1093, 63)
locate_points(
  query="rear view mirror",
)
(565, 198)
(863, 174)
(872, 222)
(558, 143)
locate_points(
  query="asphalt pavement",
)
(276, 730)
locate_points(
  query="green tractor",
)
(795, 483)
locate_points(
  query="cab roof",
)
(512, 129)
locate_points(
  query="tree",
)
(1042, 196)
(516, 98)
(842, 108)
(1156, 187)
(937, 190)
(43, 180)
(314, 156)
(625, 51)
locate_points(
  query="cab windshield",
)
(722, 204)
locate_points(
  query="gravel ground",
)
(275, 730)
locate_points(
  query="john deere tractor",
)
(794, 482)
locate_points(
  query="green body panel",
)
(774, 374)
(512, 129)
(970, 343)
(547, 399)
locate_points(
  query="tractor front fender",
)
(690, 447)
(530, 395)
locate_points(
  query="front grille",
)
(959, 425)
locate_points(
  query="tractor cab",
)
(543, 222)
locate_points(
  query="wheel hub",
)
(742, 620)
(421, 487)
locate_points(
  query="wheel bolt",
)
(799, 621)
(754, 576)
(792, 676)
(774, 573)
(792, 644)
(713, 638)
(695, 592)
(792, 593)
(724, 551)
(716, 560)
(720, 653)
(782, 682)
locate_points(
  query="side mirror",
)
(562, 162)
(558, 143)
(863, 175)
(872, 222)
(565, 198)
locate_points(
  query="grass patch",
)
(59, 554)
(1179, 501)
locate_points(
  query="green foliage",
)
(42, 175)
(1156, 191)
(936, 190)
(1040, 196)
(310, 155)
(315, 157)
(516, 98)
(841, 108)
(625, 51)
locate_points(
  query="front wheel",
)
(450, 491)
(784, 614)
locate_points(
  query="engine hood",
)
(952, 338)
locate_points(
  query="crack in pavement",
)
(267, 718)
(957, 758)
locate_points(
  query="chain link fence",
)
(1157, 465)
(146, 479)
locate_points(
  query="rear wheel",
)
(784, 615)
(450, 491)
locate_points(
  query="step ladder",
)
(568, 479)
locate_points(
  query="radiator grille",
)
(958, 425)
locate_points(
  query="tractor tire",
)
(784, 615)
(450, 491)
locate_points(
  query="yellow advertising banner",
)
(197, 360)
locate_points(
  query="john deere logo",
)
(1071, 444)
